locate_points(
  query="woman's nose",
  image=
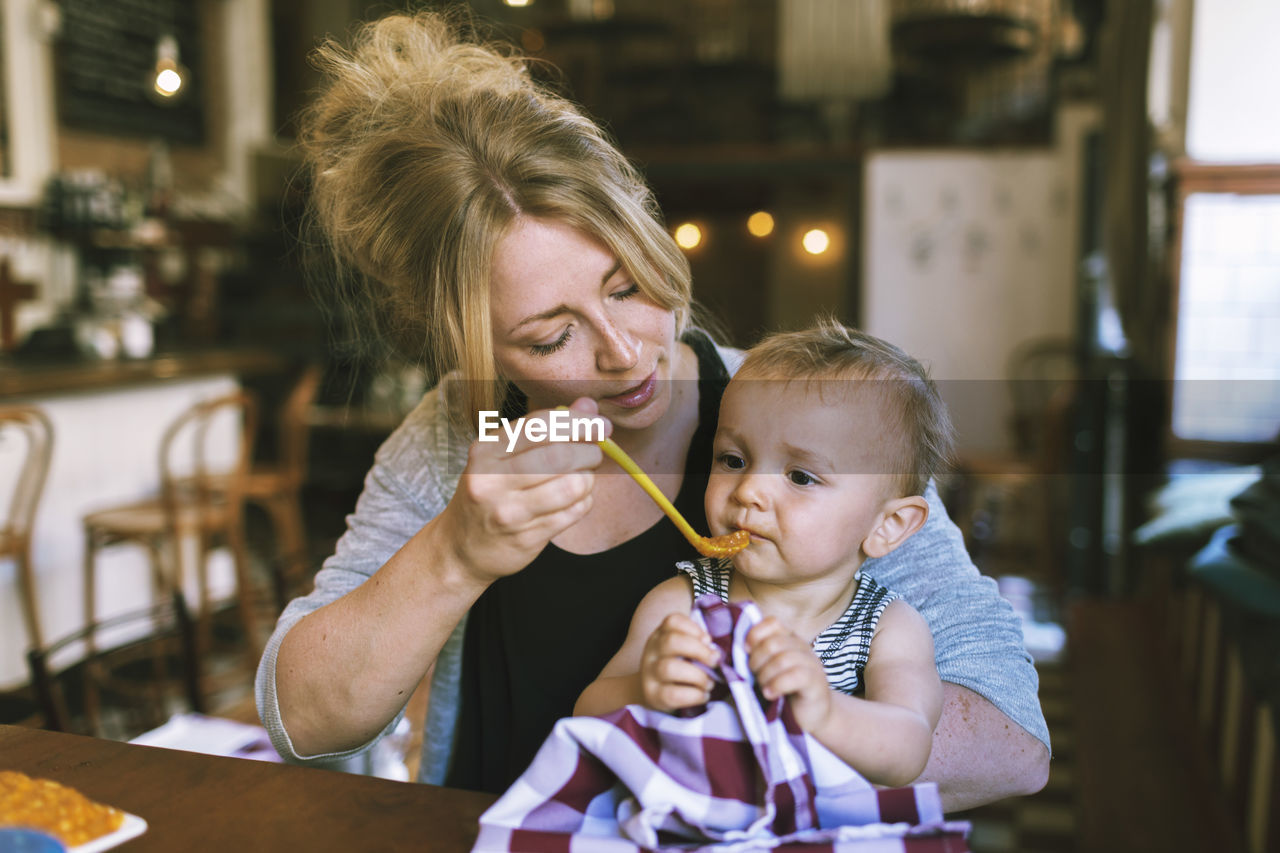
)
(619, 351)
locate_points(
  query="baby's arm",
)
(654, 666)
(885, 736)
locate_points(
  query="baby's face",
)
(800, 465)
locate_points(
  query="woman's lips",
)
(635, 397)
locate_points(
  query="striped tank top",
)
(843, 647)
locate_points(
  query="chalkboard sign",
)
(106, 57)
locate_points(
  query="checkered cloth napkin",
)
(736, 774)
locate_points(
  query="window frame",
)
(1191, 177)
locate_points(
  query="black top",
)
(535, 639)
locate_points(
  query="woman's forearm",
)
(344, 671)
(979, 755)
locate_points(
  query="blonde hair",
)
(829, 350)
(424, 147)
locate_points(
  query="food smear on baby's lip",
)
(52, 807)
(724, 546)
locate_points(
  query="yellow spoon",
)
(707, 546)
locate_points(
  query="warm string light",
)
(760, 223)
(815, 241)
(688, 236)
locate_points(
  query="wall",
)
(213, 181)
(968, 254)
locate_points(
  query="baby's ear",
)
(901, 518)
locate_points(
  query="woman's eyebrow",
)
(563, 308)
(542, 315)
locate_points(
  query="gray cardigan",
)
(977, 636)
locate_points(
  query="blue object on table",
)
(18, 840)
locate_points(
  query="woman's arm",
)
(341, 673)
(344, 671)
(988, 748)
(980, 755)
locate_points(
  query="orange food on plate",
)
(54, 808)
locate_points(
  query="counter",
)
(40, 377)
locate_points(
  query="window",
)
(1227, 325)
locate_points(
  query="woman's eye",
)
(801, 478)
(627, 293)
(557, 344)
(732, 461)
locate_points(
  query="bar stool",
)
(277, 487)
(197, 502)
(35, 431)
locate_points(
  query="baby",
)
(826, 440)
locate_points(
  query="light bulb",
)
(688, 235)
(816, 241)
(169, 76)
(760, 223)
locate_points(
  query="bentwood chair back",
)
(119, 677)
(277, 488)
(32, 429)
(201, 501)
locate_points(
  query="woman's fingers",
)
(531, 463)
(515, 497)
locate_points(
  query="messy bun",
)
(422, 149)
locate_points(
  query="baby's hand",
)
(786, 665)
(669, 679)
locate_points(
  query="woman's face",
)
(568, 321)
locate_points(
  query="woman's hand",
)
(510, 503)
(669, 678)
(786, 665)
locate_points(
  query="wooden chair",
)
(120, 689)
(199, 501)
(1041, 381)
(277, 487)
(33, 428)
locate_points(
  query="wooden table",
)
(197, 802)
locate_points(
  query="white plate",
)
(132, 827)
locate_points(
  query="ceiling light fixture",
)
(170, 79)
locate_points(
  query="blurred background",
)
(1068, 209)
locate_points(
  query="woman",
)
(508, 240)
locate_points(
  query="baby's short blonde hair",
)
(830, 350)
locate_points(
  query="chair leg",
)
(27, 589)
(291, 549)
(203, 616)
(90, 584)
(244, 588)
